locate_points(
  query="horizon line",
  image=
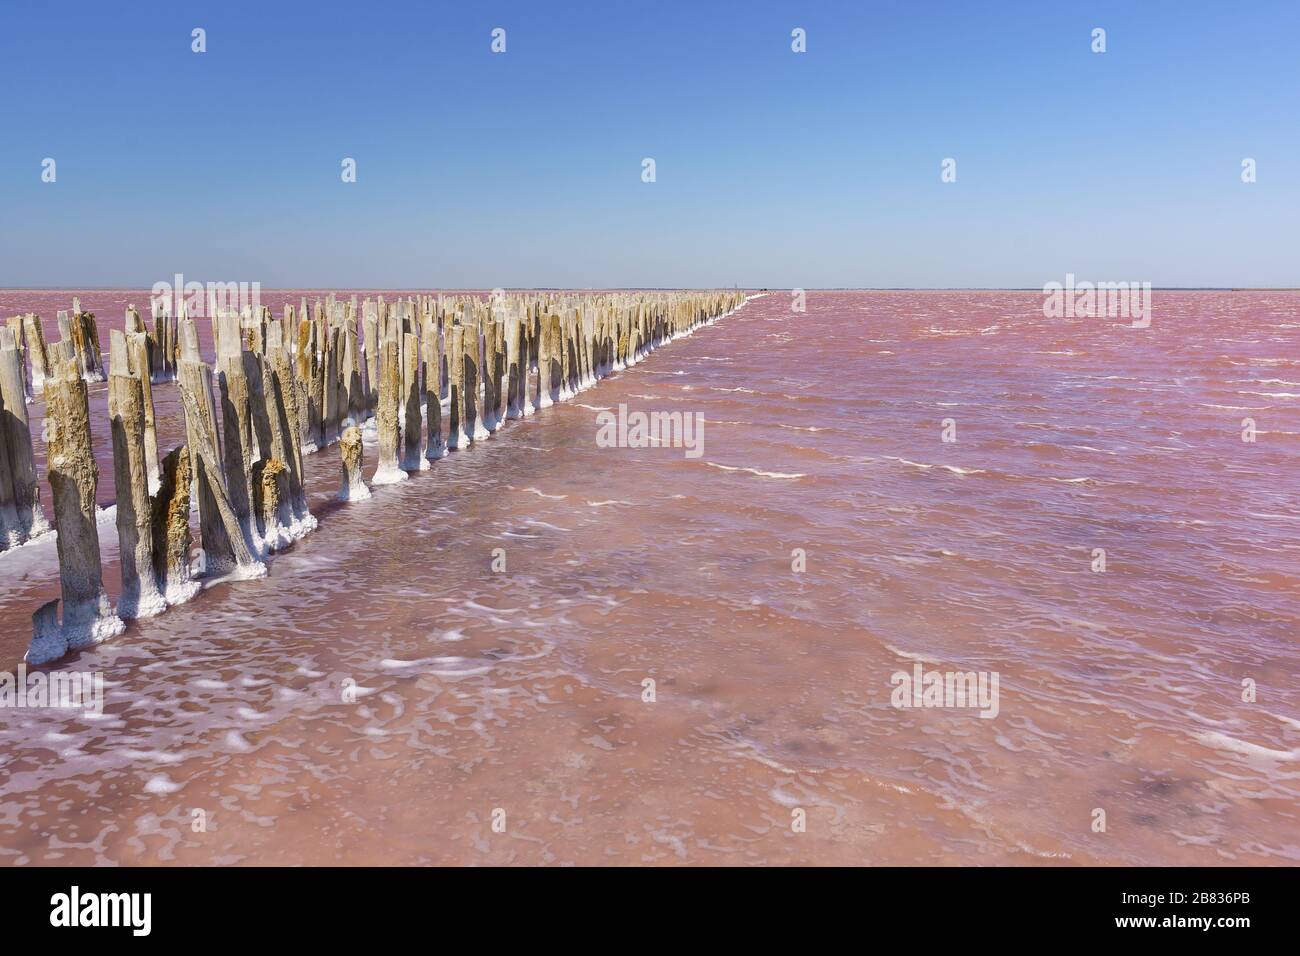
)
(646, 288)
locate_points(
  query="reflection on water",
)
(523, 690)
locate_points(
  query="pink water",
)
(522, 691)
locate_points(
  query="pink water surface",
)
(523, 691)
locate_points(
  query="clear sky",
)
(773, 168)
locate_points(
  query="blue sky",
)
(776, 169)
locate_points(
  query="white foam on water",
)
(786, 476)
(1245, 748)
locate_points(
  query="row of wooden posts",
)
(283, 388)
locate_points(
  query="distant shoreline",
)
(630, 288)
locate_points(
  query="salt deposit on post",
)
(412, 424)
(88, 616)
(221, 532)
(352, 487)
(386, 421)
(456, 435)
(21, 517)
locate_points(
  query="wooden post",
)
(88, 617)
(170, 528)
(491, 377)
(357, 406)
(457, 437)
(24, 517)
(271, 505)
(34, 337)
(352, 453)
(85, 340)
(435, 447)
(370, 329)
(390, 383)
(141, 596)
(472, 356)
(412, 427)
(140, 363)
(280, 395)
(237, 429)
(221, 534)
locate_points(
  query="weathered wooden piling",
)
(141, 595)
(280, 407)
(431, 354)
(21, 515)
(159, 366)
(88, 616)
(516, 371)
(412, 424)
(370, 345)
(169, 527)
(221, 533)
(491, 379)
(238, 450)
(85, 341)
(328, 384)
(271, 503)
(140, 364)
(308, 385)
(14, 325)
(457, 435)
(386, 416)
(34, 339)
(555, 360)
(352, 454)
(357, 408)
(472, 358)
(586, 327)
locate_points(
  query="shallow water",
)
(522, 691)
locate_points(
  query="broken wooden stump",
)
(85, 340)
(169, 527)
(351, 451)
(34, 339)
(271, 504)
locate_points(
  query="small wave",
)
(542, 494)
(914, 464)
(757, 471)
